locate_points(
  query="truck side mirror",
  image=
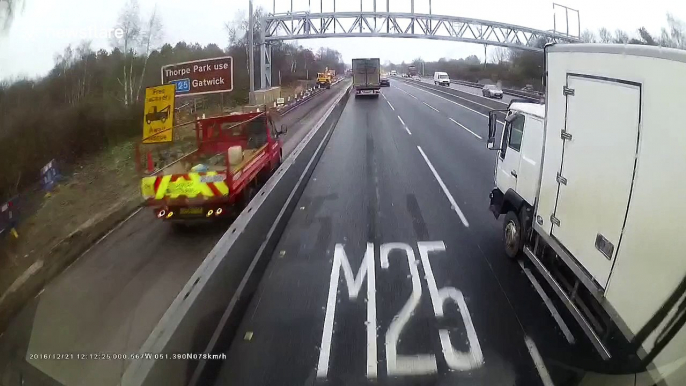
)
(492, 125)
(490, 143)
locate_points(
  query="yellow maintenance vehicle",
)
(324, 79)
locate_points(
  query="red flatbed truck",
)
(235, 155)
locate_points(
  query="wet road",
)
(392, 270)
(112, 297)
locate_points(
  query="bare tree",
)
(621, 37)
(8, 9)
(605, 36)
(588, 37)
(500, 55)
(127, 39)
(675, 34)
(151, 36)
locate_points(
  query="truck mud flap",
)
(204, 318)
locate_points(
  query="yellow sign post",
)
(158, 117)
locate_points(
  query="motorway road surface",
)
(112, 297)
(392, 271)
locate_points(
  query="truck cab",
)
(518, 157)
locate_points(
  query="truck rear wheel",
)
(512, 233)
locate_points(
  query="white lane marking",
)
(454, 205)
(405, 364)
(538, 362)
(354, 284)
(389, 103)
(456, 360)
(431, 107)
(556, 315)
(384, 97)
(465, 127)
(453, 102)
(404, 125)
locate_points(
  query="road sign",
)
(158, 118)
(49, 175)
(197, 77)
(182, 85)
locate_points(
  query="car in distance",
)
(441, 79)
(394, 73)
(384, 81)
(492, 91)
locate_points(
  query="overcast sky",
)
(45, 27)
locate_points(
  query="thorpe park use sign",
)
(197, 77)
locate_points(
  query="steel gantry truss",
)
(306, 25)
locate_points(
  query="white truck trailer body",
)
(609, 198)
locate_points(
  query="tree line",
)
(514, 68)
(92, 99)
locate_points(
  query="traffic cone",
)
(151, 164)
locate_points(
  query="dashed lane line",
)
(465, 127)
(431, 107)
(404, 125)
(454, 205)
(446, 99)
(389, 103)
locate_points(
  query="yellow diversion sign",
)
(158, 118)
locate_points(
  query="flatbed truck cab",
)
(235, 155)
(591, 189)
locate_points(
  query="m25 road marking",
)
(399, 365)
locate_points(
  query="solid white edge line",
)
(459, 104)
(551, 307)
(161, 333)
(389, 103)
(431, 107)
(456, 208)
(401, 121)
(538, 362)
(465, 127)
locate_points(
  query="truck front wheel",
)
(512, 232)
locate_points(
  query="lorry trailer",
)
(367, 76)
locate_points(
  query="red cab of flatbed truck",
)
(235, 155)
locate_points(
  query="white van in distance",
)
(441, 79)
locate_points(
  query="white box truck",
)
(592, 190)
(367, 77)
